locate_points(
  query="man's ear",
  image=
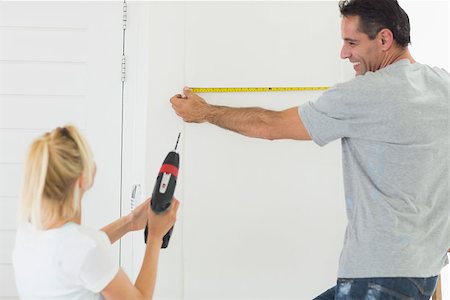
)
(387, 39)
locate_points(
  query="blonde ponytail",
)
(51, 188)
(34, 182)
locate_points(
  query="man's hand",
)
(191, 107)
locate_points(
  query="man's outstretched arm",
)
(250, 121)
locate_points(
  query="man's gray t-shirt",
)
(394, 128)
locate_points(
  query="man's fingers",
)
(176, 98)
(187, 91)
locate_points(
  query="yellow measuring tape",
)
(256, 89)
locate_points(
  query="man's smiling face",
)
(365, 54)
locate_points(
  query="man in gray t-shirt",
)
(393, 121)
(395, 149)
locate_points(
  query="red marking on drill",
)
(169, 169)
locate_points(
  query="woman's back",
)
(69, 262)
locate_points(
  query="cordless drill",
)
(164, 189)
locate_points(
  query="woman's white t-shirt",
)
(70, 262)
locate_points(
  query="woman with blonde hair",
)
(55, 257)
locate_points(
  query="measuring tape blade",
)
(256, 89)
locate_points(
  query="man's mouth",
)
(356, 65)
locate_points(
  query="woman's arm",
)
(135, 220)
(121, 287)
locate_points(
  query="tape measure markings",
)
(256, 89)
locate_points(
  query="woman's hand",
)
(160, 224)
(135, 220)
(138, 217)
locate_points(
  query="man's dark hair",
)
(378, 14)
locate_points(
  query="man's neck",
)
(396, 54)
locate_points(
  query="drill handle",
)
(166, 237)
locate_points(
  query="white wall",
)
(209, 257)
(262, 219)
(430, 31)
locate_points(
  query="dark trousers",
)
(383, 288)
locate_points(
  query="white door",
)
(60, 63)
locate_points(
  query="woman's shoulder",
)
(71, 237)
(76, 233)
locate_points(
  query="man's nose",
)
(345, 52)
